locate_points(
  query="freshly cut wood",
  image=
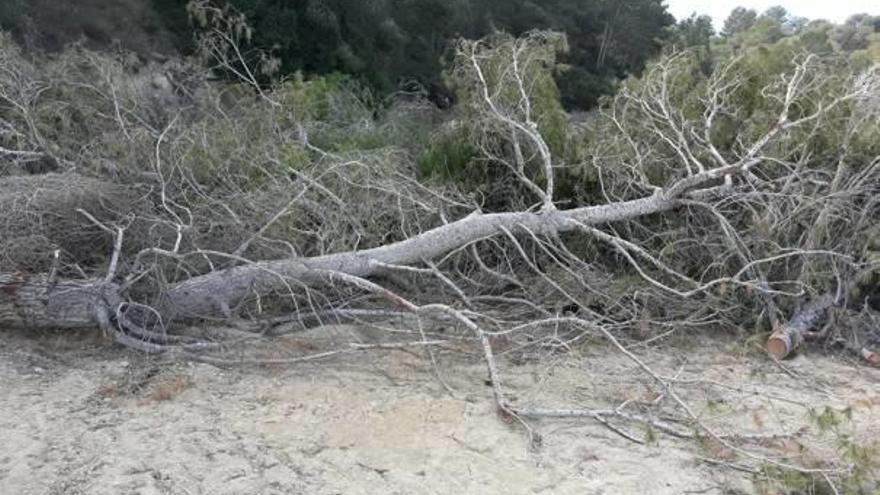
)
(787, 337)
(873, 358)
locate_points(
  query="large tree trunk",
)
(37, 301)
(212, 294)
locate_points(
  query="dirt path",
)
(80, 418)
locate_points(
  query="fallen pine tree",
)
(646, 218)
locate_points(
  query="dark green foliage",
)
(133, 24)
(387, 44)
(390, 44)
(695, 32)
(740, 19)
(607, 40)
(454, 157)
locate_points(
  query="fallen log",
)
(788, 336)
(872, 357)
(39, 302)
(207, 295)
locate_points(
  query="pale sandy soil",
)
(80, 417)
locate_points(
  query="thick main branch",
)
(214, 293)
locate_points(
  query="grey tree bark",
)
(39, 301)
(209, 294)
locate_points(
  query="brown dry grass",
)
(168, 388)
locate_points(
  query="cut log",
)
(873, 358)
(790, 335)
(36, 302)
(207, 295)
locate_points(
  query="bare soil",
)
(80, 416)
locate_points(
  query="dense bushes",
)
(385, 44)
(392, 44)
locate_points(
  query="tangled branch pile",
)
(741, 200)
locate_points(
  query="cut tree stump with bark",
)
(788, 336)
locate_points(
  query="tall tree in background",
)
(857, 32)
(740, 19)
(696, 32)
(608, 41)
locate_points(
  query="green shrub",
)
(451, 156)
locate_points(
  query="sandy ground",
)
(80, 417)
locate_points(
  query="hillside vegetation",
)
(141, 26)
(386, 44)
